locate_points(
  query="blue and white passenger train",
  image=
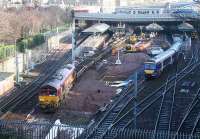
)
(154, 66)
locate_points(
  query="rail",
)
(192, 64)
(19, 129)
(156, 94)
(190, 67)
(30, 90)
(161, 106)
(165, 112)
(194, 103)
(147, 134)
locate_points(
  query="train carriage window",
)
(167, 61)
(157, 12)
(159, 65)
(44, 92)
(57, 76)
(152, 12)
(133, 12)
(52, 91)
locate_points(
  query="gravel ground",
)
(85, 95)
(90, 92)
(130, 62)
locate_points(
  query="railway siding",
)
(165, 99)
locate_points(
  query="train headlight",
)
(41, 99)
(149, 71)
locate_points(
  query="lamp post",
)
(118, 61)
(16, 62)
(73, 36)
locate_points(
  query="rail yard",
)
(132, 80)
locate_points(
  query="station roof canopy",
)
(97, 28)
(185, 27)
(154, 27)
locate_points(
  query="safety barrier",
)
(149, 134)
(24, 130)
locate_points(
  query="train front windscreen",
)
(149, 66)
(48, 91)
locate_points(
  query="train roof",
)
(161, 57)
(58, 78)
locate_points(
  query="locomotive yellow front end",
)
(48, 99)
(150, 70)
(48, 103)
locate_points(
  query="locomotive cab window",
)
(150, 66)
(159, 65)
(43, 92)
(48, 91)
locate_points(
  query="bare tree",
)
(14, 23)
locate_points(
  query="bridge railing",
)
(148, 134)
(22, 130)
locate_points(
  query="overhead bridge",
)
(128, 17)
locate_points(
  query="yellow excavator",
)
(194, 35)
(133, 39)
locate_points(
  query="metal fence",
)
(148, 134)
(24, 130)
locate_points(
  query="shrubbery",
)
(6, 51)
(30, 42)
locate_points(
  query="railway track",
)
(30, 90)
(80, 68)
(52, 65)
(160, 93)
(125, 120)
(164, 120)
(127, 96)
(50, 59)
(191, 118)
(190, 122)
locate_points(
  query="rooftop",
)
(97, 28)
